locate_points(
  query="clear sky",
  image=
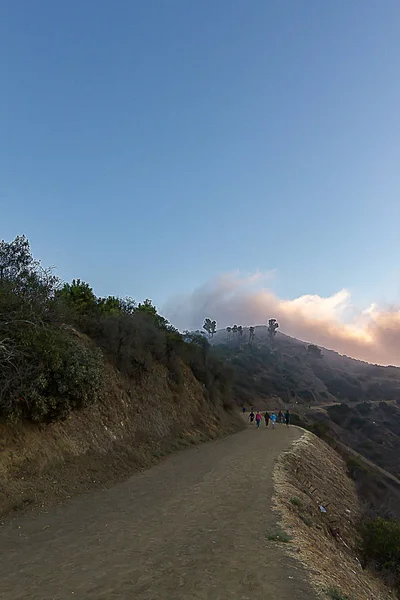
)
(147, 146)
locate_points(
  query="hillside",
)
(346, 401)
(294, 370)
(93, 388)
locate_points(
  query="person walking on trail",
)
(287, 418)
(251, 417)
(258, 419)
(266, 417)
(280, 417)
(273, 420)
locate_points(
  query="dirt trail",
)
(194, 527)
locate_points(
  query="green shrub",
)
(297, 420)
(320, 429)
(355, 467)
(56, 374)
(296, 501)
(364, 408)
(279, 536)
(47, 368)
(381, 546)
(335, 594)
(339, 412)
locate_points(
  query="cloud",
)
(370, 334)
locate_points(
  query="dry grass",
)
(131, 428)
(326, 543)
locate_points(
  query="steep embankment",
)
(312, 475)
(130, 428)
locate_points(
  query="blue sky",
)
(149, 146)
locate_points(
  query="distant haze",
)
(371, 334)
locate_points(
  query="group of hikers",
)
(257, 418)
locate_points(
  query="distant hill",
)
(292, 369)
(350, 401)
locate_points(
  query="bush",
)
(381, 546)
(297, 420)
(296, 502)
(56, 374)
(47, 368)
(355, 467)
(364, 408)
(322, 430)
(339, 412)
(335, 594)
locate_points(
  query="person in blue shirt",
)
(272, 418)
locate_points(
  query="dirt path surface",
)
(195, 527)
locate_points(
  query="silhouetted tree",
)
(251, 334)
(229, 331)
(272, 327)
(210, 326)
(235, 332)
(15, 258)
(213, 328)
(314, 351)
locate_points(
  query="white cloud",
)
(371, 334)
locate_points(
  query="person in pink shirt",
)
(258, 419)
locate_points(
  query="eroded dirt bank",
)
(309, 476)
(130, 429)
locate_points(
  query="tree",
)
(78, 295)
(229, 331)
(314, 351)
(15, 258)
(198, 338)
(210, 327)
(251, 334)
(213, 328)
(148, 309)
(272, 327)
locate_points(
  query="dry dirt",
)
(131, 428)
(310, 475)
(194, 527)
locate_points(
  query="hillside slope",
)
(345, 400)
(295, 369)
(92, 388)
(131, 427)
(328, 543)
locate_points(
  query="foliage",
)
(355, 467)
(335, 594)
(210, 327)
(272, 329)
(381, 546)
(44, 372)
(339, 413)
(279, 536)
(314, 351)
(47, 368)
(252, 334)
(296, 501)
(16, 260)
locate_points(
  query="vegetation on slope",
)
(48, 368)
(352, 405)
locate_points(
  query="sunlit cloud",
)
(371, 334)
